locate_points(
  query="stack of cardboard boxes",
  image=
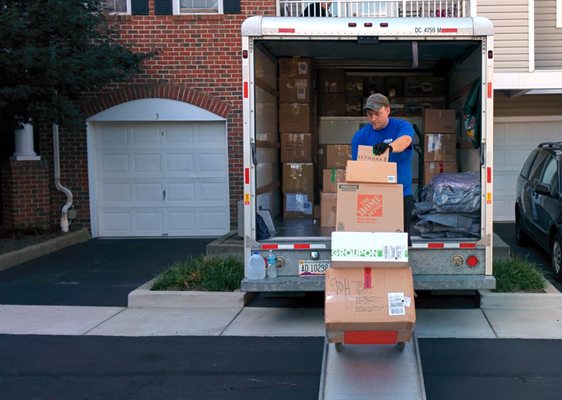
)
(336, 157)
(297, 138)
(440, 143)
(369, 286)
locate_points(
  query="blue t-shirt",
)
(367, 136)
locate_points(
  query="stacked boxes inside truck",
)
(440, 143)
(369, 285)
(334, 160)
(297, 136)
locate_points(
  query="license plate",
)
(313, 267)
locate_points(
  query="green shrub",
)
(516, 274)
(214, 274)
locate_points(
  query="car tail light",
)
(472, 261)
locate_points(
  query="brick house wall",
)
(198, 60)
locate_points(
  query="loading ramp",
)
(374, 372)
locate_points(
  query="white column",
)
(24, 144)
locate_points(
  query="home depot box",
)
(328, 204)
(298, 178)
(365, 153)
(331, 80)
(294, 90)
(380, 249)
(440, 147)
(370, 207)
(337, 155)
(439, 121)
(371, 172)
(297, 205)
(369, 305)
(294, 118)
(330, 179)
(296, 147)
(294, 67)
(433, 168)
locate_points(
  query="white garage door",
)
(513, 141)
(155, 179)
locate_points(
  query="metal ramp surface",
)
(374, 372)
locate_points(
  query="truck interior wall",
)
(461, 78)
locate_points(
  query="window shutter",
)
(139, 7)
(231, 6)
(163, 7)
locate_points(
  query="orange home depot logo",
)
(369, 205)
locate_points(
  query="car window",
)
(550, 176)
(527, 166)
(537, 167)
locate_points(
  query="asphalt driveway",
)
(99, 272)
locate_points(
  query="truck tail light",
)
(472, 261)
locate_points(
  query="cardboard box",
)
(316, 211)
(439, 121)
(371, 172)
(384, 249)
(440, 147)
(331, 105)
(331, 178)
(425, 86)
(433, 168)
(328, 210)
(298, 178)
(370, 207)
(369, 305)
(294, 118)
(331, 80)
(365, 153)
(354, 86)
(294, 67)
(294, 90)
(296, 147)
(337, 155)
(297, 205)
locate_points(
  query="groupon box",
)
(370, 207)
(379, 249)
(369, 305)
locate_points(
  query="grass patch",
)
(213, 274)
(516, 274)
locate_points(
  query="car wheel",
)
(521, 236)
(556, 256)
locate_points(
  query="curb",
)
(144, 297)
(550, 299)
(20, 256)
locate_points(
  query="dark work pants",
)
(408, 208)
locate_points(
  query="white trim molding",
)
(559, 13)
(528, 80)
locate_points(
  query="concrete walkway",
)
(537, 316)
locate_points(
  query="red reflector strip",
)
(367, 278)
(245, 90)
(286, 30)
(436, 245)
(301, 246)
(272, 246)
(467, 245)
(489, 174)
(490, 91)
(449, 30)
(247, 176)
(370, 337)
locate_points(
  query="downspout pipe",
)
(64, 224)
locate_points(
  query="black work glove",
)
(380, 148)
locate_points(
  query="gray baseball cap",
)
(376, 101)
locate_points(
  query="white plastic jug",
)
(256, 267)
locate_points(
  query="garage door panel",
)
(158, 180)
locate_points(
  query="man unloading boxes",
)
(392, 134)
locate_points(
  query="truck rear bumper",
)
(421, 282)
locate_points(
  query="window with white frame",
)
(559, 13)
(117, 6)
(198, 6)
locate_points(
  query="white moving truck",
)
(453, 53)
